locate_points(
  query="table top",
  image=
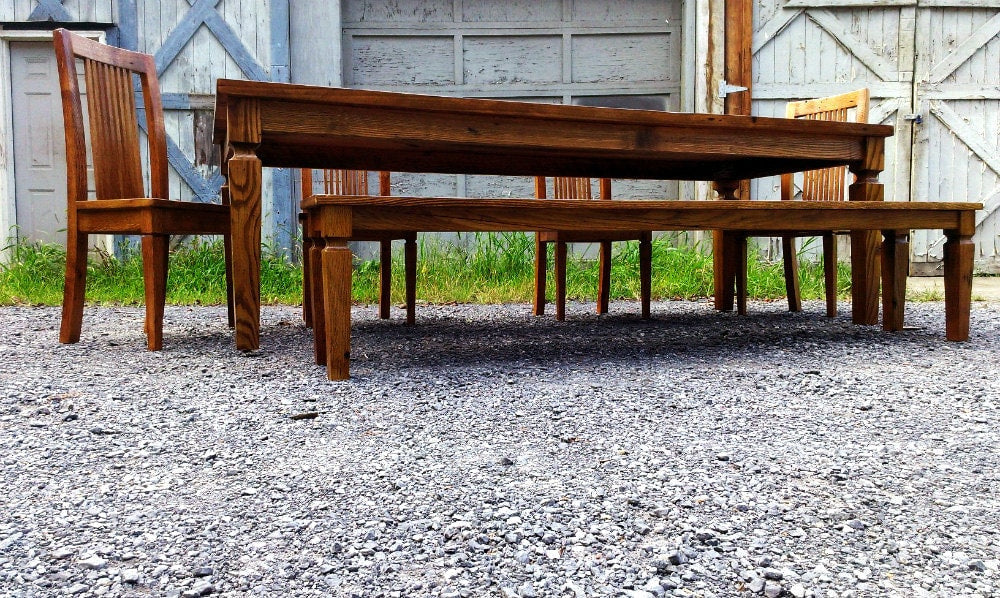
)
(289, 125)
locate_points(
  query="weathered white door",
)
(957, 146)
(933, 68)
(39, 150)
(813, 48)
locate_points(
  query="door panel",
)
(39, 151)
(957, 148)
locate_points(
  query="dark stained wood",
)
(319, 127)
(338, 218)
(121, 204)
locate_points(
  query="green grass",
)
(499, 268)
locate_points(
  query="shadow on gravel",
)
(693, 333)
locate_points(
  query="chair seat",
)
(146, 215)
(589, 236)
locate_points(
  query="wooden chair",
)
(120, 205)
(827, 184)
(355, 182)
(579, 188)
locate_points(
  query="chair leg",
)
(154, 270)
(560, 281)
(410, 268)
(307, 244)
(645, 272)
(541, 268)
(791, 262)
(604, 278)
(227, 246)
(384, 278)
(76, 283)
(740, 255)
(830, 273)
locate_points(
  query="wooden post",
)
(738, 71)
(243, 172)
(864, 244)
(959, 256)
(895, 267)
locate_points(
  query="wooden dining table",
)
(263, 124)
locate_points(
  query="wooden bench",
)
(337, 219)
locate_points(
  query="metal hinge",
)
(916, 118)
(725, 88)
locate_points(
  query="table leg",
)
(244, 170)
(864, 277)
(895, 267)
(959, 254)
(337, 260)
(723, 260)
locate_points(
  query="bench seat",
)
(336, 219)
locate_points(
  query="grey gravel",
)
(486, 452)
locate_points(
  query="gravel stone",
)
(488, 452)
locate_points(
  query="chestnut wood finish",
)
(580, 188)
(281, 125)
(121, 205)
(826, 184)
(337, 219)
(355, 182)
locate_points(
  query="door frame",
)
(8, 207)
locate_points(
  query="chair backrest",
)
(110, 74)
(571, 187)
(344, 182)
(825, 184)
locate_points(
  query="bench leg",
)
(337, 260)
(724, 266)
(738, 250)
(959, 254)
(315, 292)
(895, 267)
(864, 277)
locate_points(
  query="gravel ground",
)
(486, 452)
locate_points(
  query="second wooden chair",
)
(355, 182)
(580, 188)
(827, 184)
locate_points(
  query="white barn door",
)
(957, 146)
(933, 68)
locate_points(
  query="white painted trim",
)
(8, 208)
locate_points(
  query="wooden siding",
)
(623, 53)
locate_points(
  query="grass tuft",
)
(483, 268)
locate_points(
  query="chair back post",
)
(605, 185)
(540, 187)
(384, 183)
(307, 182)
(76, 145)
